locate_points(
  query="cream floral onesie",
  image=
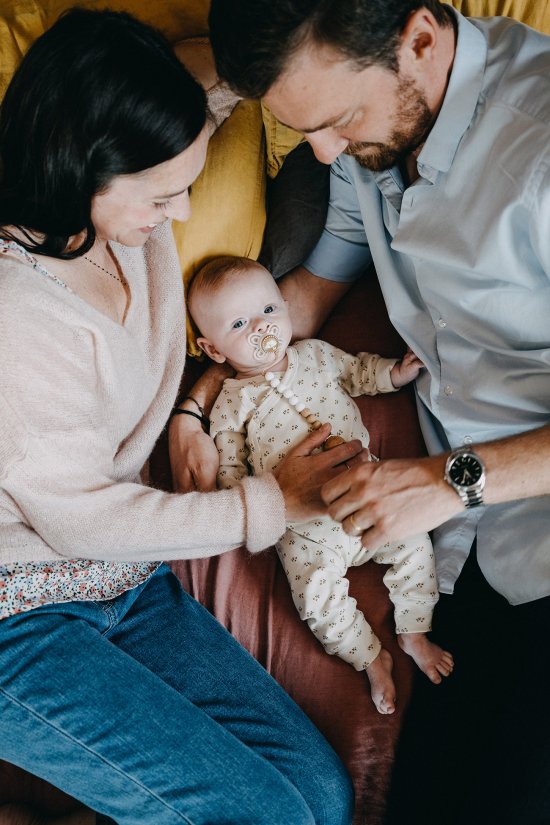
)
(254, 427)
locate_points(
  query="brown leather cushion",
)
(250, 595)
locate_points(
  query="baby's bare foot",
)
(430, 658)
(382, 688)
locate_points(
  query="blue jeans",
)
(147, 710)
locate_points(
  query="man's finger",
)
(341, 456)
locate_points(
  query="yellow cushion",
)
(228, 198)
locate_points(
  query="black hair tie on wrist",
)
(205, 422)
(194, 400)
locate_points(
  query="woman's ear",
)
(211, 350)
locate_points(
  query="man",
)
(438, 132)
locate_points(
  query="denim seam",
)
(110, 612)
(96, 755)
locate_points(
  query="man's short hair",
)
(253, 40)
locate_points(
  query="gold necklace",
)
(116, 277)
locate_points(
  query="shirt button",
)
(442, 323)
(467, 439)
(448, 390)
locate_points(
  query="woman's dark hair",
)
(98, 95)
(253, 40)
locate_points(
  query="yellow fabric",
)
(280, 140)
(228, 198)
(535, 13)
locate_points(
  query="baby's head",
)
(241, 315)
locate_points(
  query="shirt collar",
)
(459, 104)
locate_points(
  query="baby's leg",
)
(430, 658)
(382, 686)
(412, 585)
(317, 576)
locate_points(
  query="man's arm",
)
(310, 300)
(399, 497)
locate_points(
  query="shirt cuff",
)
(265, 511)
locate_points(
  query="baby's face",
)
(246, 321)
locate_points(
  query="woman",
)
(114, 684)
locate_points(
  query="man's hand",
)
(390, 500)
(301, 474)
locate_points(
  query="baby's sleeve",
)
(228, 428)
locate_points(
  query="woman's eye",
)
(161, 205)
(269, 308)
(238, 324)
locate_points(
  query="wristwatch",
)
(465, 473)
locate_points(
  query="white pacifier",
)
(266, 344)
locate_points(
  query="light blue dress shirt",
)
(463, 258)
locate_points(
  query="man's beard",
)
(415, 121)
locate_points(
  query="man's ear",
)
(419, 35)
(211, 350)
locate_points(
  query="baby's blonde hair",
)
(214, 274)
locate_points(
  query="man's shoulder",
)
(517, 72)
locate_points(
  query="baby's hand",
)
(406, 370)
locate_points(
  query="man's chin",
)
(378, 160)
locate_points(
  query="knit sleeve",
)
(60, 473)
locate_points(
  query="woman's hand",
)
(301, 474)
(193, 456)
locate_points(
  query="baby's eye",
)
(269, 308)
(238, 324)
(161, 205)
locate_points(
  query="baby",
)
(278, 393)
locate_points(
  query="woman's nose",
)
(179, 208)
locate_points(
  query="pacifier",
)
(266, 344)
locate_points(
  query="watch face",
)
(465, 470)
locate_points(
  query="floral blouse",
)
(24, 586)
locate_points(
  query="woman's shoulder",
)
(25, 286)
(35, 312)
